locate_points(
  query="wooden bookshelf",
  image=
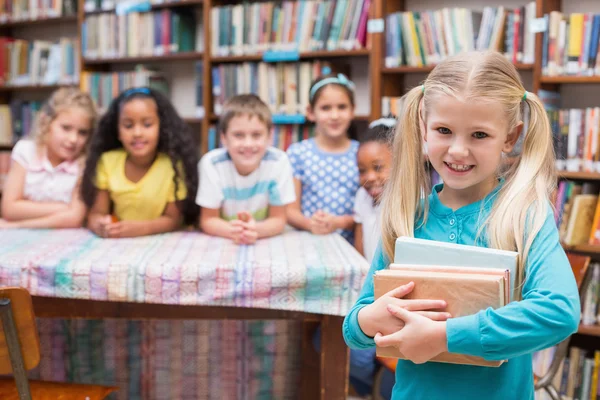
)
(579, 176)
(429, 68)
(590, 249)
(32, 88)
(68, 19)
(589, 330)
(191, 55)
(193, 120)
(303, 56)
(157, 6)
(570, 79)
(6, 147)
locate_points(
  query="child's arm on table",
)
(369, 316)
(168, 222)
(271, 226)
(548, 313)
(99, 217)
(211, 223)
(294, 210)
(15, 208)
(324, 223)
(72, 217)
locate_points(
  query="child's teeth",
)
(460, 167)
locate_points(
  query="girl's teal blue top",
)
(547, 314)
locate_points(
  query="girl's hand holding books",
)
(419, 340)
(376, 318)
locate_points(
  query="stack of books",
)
(468, 278)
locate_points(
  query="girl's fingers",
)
(401, 291)
(435, 316)
(421, 305)
(392, 339)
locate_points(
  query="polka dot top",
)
(329, 180)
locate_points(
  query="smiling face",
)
(332, 112)
(374, 162)
(67, 135)
(465, 142)
(246, 140)
(139, 128)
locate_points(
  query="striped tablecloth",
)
(181, 359)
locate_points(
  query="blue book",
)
(430, 252)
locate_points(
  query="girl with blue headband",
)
(140, 176)
(325, 169)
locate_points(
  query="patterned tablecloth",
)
(181, 359)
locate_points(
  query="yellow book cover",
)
(575, 42)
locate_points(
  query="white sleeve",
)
(358, 211)
(24, 152)
(210, 192)
(285, 193)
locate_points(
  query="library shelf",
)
(39, 21)
(303, 56)
(31, 88)
(188, 55)
(157, 6)
(570, 79)
(429, 68)
(192, 120)
(581, 176)
(589, 330)
(214, 118)
(591, 249)
(6, 147)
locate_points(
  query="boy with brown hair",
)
(245, 185)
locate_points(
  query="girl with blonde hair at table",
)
(140, 176)
(469, 112)
(42, 186)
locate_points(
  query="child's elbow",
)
(568, 319)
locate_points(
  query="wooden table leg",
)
(334, 360)
(310, 372)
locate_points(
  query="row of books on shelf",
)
(110, 5)
(576, 133)
(142, 34)
(311, 25)
(16, 119)
(38, 62)
(103, 87)
(418, 39)
(283, 86)
(570, 44)
(577, 375)
(577, 213)
(12, 10)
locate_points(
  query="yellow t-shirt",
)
(144, 200)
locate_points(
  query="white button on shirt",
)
(43, 182)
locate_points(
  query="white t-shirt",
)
(369, 216)
(222, 187)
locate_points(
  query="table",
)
(185, 315)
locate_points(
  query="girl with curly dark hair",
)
(140, 176)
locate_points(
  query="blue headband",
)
(340, 79)
(132, 91)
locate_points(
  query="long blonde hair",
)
(522, 203)
(61, 100)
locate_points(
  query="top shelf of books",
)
(110, 6)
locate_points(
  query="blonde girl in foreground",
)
(469, 112)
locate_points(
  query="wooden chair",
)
(20, 352)
(579, 264)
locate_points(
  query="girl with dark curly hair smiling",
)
(140, 176)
